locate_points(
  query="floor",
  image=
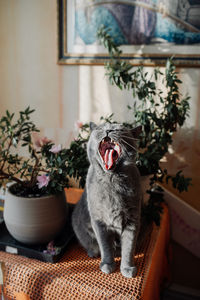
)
(185, 281)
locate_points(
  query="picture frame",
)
(73, 50)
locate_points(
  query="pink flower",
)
(50, 248)
(43, 180)
(45, 140)
(78, 125)
(55, 149)
(39, 142)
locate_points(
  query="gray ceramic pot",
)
(35, 220)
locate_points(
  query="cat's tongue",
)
(108, 158)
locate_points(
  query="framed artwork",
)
(148, 31)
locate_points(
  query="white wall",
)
(30, 75)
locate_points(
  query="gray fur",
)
(110, 206)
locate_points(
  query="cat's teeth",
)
(117, 148)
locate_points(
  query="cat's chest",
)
(110, 207)
(115, 217)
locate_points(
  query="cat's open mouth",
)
(109, 151)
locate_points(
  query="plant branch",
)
(34, 172)
(4, 175)
(7, 152)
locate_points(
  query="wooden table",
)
(76, 276)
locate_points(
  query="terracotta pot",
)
(35, 220)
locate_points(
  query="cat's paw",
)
(107, 268)
(93, 253)
(128, 272)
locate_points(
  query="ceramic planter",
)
(35, 220)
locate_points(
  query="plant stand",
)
(76, 276)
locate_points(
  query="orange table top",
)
(76, 276)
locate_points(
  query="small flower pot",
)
(36, 220)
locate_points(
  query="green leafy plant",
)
(48, 166)
(160, 109)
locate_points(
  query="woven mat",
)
(75, 276)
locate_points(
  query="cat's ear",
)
(92, 126)
(137, 131)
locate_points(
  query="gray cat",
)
(109, 209)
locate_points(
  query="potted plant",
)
(159, 107)
(35, 206)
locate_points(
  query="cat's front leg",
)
(105, 242)
(128, 243)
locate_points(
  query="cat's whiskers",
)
(114, 136)
(124, 133)
(122, 140)
(127, 153)
(129, 137)
(128, 144)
